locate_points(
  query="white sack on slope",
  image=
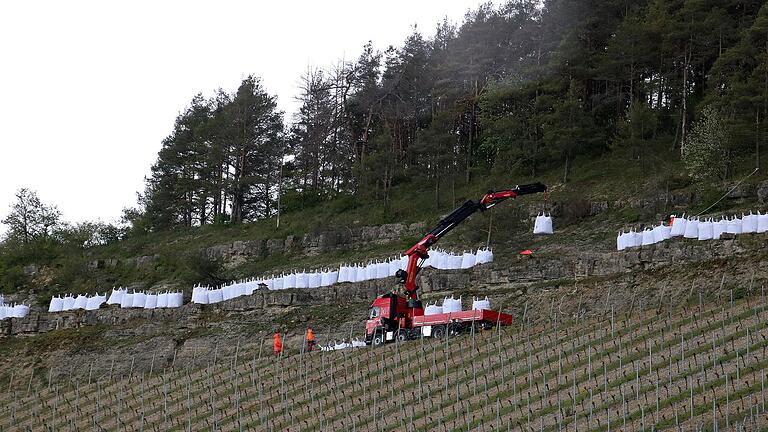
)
(200, 295)
(543, 225)
(647, 237)
(718, 228)
(162, 300)
(95, 302)
(57, 304)
(762, 222)
(116, 297)
(127, 301)
(19, 311)
(678, 226)
(692, 229)
(706, 230)
(749, 224)
(467, 260)
(734, 226)
(81, 301)
(150, 301)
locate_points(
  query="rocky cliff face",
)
(558, 284)
(238, 252)
(515, 276)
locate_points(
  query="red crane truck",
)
(401, 316)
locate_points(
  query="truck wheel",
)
(438, 332)
(402, 335)
(378, 340)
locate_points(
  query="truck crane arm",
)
(419, 250)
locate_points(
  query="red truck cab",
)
(390, 316)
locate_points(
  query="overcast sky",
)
(89, 89)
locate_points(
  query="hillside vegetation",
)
(610, 102)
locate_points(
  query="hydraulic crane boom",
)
(419, 250)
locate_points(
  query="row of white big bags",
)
(451, 305)
(438, 259)
(120, 297)
(694, 228)
(12, 311)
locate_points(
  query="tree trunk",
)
(757, 139)
(684, 111)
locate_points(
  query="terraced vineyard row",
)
(693, 368)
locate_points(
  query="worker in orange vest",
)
(278, 344)
(310, 339)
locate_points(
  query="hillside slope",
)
(688, 366)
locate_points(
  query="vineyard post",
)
(189, 406)
(237, 399)
(749, 342)
(669, 371)
(472, 330)
(559, 372)
(143, 390)
(514, 386)
(525, 311)
(650, 357)
(727, 402)
(690, 387)
(528, 410)
(720, 291)
(165, 404)
(29, 385)
(677, 419)
(573, 398)
(623, 407)
(656, 414)
(119, 403)
(498, 414)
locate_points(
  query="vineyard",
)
(700, 366)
